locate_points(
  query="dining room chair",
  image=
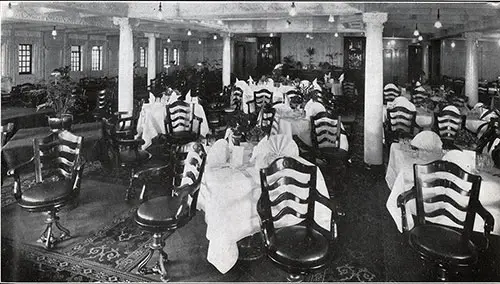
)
(447, 124)
(321, 98)
(458, 86)
(288, 190)
(122, 148)
(482, 92)
(261, 97)
(391, 91)
(103, 107)
(58, 168)
(181, 124)
(173, 208)
(267, 120)
(400, 124)
(348, 88)
(444, 191)
(236, 98)
(419, 96)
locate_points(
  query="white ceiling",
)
(205, 18)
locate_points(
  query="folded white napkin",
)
(218, 153)
(464, 159)
(269, 149)
(315, 85)
(427, 141)
(152, 98)
(312, 108)
(304, 84)
(188, 98)
(341, 78)
(250, 80)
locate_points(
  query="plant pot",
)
(63, 122)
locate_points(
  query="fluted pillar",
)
(151, 55)
(226, 61)
(125, 66)
(471, 67)
(373, 130)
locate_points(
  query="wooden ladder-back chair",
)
(436, 194)
(391, 92)
(400, 124)
(306, 246)
(174, 209)
(447, 124)
(58, 174)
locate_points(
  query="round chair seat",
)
(44, 195)
(133, 156)
(298, 249)
(161, 214)
(442, 244)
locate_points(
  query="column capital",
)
(120, 21)
(152, 35)
(472, 35)
(375, 18)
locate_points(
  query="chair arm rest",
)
(402, 199)
(14, 172)
(302, 145)
(184, 190)
(146, 174)
(489, 222)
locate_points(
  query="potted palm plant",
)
(60, 95)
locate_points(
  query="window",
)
(96, 58)
(176, 56)
(76, 58)
(165, 57)
(143, 57)
(25, 58)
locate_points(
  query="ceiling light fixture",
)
(420, 38)
(199, 41)
(336, 35)
(189, 32)
(168, 40)
(160, 12)
(288, 23)
(331, 19)
(54, 32)
(220, 22)
(10, 12)
(452, 44)
(308, 36)
(271, 35)
(215, 37)
(293, 10)
(416, 32)
(438, 24)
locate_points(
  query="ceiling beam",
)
(102, 8)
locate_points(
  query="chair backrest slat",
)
(325, 130)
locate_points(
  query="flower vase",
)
(62, 122)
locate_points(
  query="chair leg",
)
(442, 273)
(295, 277)
(160, 266)
(130, 194)
(47, 237)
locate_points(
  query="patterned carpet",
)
(369, 247)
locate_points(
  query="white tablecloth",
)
(399, 178)
(292, 124)
(151, 121)
(229, 196)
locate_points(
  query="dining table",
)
(399, 178)
(152, 117)
(295, 122)
(228, 195)
(19, 148)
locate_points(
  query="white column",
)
(125, 66)
(373, 130)
(425, 61)
(471, 67)
(226, 61)
(151, 56)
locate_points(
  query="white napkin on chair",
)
(315, 85)
(269, 149)
(427, 141)
(250, 80)
(312, 108)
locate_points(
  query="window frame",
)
(99, 60)
(176, 56)
(25, 69)
(166, 57)
(79, 61)
(143, 57)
